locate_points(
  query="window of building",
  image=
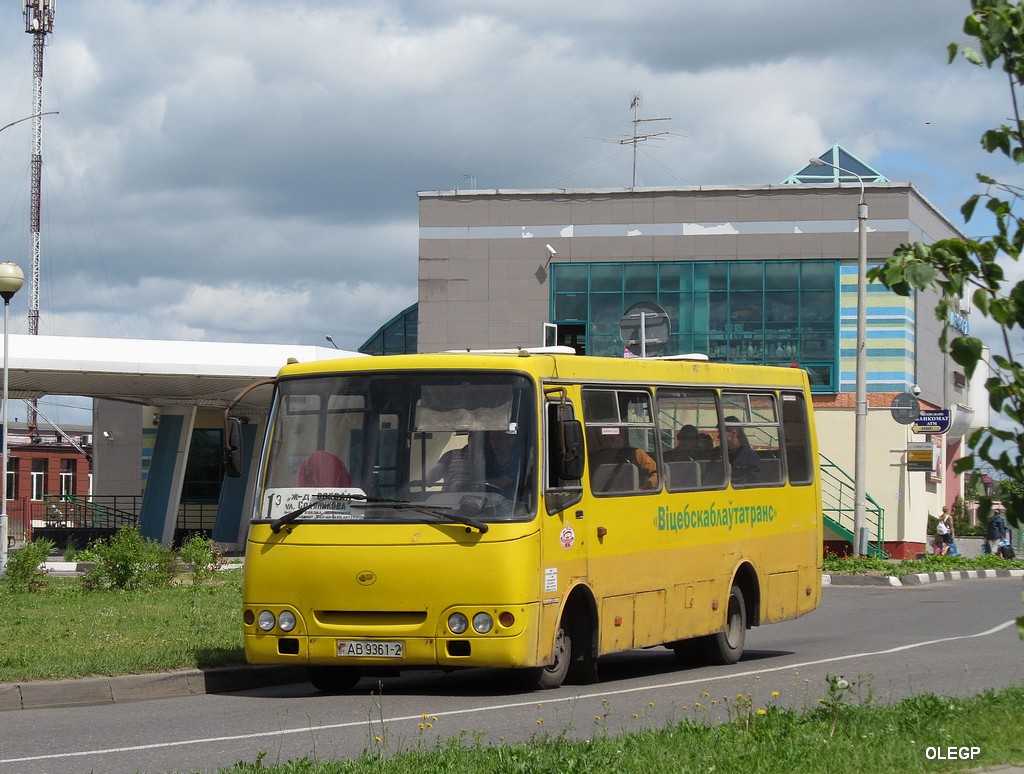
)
(12, 478)
(204, 468)
(763, 312)
(38, 478)
(398, 336)
(67, 478)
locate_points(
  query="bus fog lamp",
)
(266, 620)
(482, 623)
(286, 621)
(458, 623)
(249, 617)
(506, 619)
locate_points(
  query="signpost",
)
(905, 408)
(920, 457)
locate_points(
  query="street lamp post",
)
(11, 280)
(860, 426)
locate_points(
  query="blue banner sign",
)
(932, 421)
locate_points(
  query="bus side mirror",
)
(570, 462)
(233, 447)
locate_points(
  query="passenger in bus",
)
(744, 461)
(459, 470)
(455, 469)
(613, 449)
(706, 445)
(322, 468)
(687, 445)
(502, 462)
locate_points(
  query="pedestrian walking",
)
(944, 530)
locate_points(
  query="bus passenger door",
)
(563, 537)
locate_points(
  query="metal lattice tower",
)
(38, 23)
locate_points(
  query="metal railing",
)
(837, 500)
(96, 512)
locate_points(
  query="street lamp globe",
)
(11, 279)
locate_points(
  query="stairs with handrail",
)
(837, 500)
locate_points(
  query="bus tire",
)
(333, 679)
(726, 647)
(552, 675)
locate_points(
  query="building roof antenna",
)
(637, 137)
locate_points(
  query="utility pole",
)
(38, 23)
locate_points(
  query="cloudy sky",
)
(246, 170)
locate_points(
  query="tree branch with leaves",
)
(973, 269)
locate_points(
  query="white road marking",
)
(512, 705)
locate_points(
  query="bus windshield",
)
(401, 447)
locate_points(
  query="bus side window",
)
(622, 444)
(794, 425)
(687, 427)
(752, 439)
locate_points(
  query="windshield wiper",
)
(438, 512)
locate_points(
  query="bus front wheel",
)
(726, 647)
(333, 679)
(552, 675)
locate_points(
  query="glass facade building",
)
(762, 312)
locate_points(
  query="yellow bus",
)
(531, 510)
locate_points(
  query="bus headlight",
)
(482, 623)
(286, 621)
(266, 620)
(458, 623)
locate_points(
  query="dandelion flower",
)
(635, 716)
(775, 693)
(762, 712)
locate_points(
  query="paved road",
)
(887, 640)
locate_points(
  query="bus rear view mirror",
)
(570, 462)
(233, 447)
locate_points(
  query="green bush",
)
(126, 560)
(203, 554)
(24, 571)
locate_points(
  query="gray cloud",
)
(248, 170)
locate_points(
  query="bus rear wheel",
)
(726, 647)
(333, 679)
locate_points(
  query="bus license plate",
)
(370, 649)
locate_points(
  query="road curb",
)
(916, 579)
(89, 691)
